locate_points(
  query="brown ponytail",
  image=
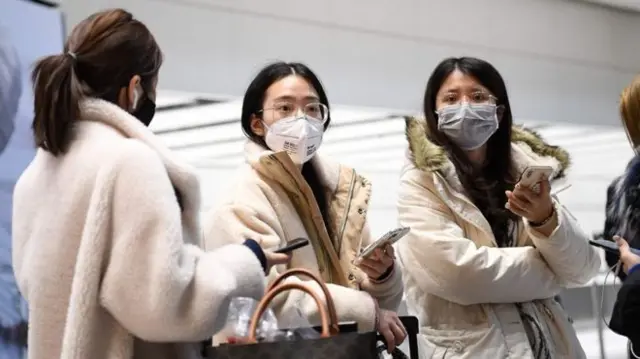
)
(56, 102)
(101, 56)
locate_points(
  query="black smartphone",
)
(610, 246)
(293, 245)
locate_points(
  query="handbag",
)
(331, 343)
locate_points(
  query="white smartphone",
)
(533, 175)
(390, 237)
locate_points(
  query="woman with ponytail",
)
(105, 219)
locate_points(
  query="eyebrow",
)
(291, 98)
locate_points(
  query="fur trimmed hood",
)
(528, 149)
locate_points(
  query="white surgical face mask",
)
(468, 125)
(299, 136)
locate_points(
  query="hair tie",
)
(72, 55)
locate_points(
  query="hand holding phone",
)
(389, 238)
(533, 175)
(610, 247)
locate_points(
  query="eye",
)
(480, 97)
(284, 107)
(450, 98)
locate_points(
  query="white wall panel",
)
(563, 61)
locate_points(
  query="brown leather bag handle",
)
(266, 301)
(331, 307)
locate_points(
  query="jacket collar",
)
(182, 176)
(257, 155)
(528, 148)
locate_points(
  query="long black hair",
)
(253, 102)
(485, 186)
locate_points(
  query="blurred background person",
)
(13, 327)
(625, 319)
(485, 257)
(286, 190)
(623, 195)
(623, 209)
(105, 220)
(10, 87)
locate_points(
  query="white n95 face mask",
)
(468, 125)
(299, 136)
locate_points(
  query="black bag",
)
(331, 344)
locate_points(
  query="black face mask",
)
(145, 111)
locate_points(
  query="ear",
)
(500, 112)
(134, 93)
(257, 126)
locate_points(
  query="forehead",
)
(292, 86)
(458, 81)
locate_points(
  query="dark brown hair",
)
(486, 186)
(100, 57)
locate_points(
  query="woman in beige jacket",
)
(287, 191)
(485, 257)
(105, 231)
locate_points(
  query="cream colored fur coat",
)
(109, 264)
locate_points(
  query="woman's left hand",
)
(379, 262)
(526, 203)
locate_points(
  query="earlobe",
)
(257, 126)
(500, 112)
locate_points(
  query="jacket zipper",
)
(461, 198)
(345, 215)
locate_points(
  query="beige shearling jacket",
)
(109, 264)
(272, 203)
(462, 287)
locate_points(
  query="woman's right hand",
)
(391, 328)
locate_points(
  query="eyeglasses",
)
(313, 111)
(476, 97)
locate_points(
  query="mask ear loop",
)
(630, 347)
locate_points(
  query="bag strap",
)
(266, 301)
(331, 307)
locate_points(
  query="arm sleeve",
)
(233, 223)
(388, 292)
(445, 263)
(567, 250)
(625, 319)
(610, 227)
(155, 285)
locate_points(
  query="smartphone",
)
(293, 245)
(610, 246)
(390, 237)
(535, 174)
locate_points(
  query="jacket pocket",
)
(452, 344)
